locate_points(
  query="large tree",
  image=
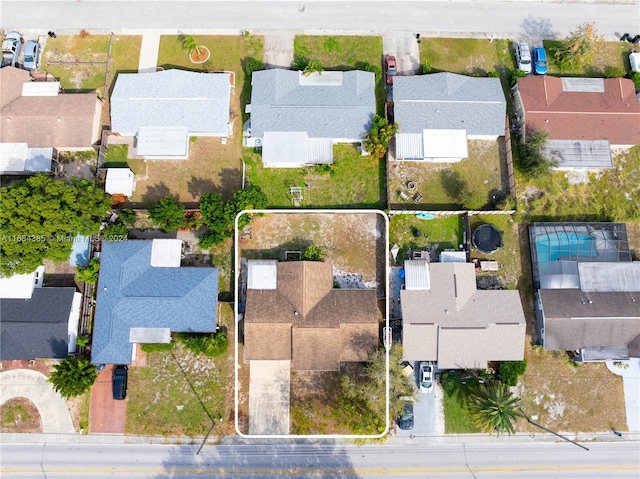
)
(493, 407)
(168, 213)
(40, 216)
(580, 47)
(73, 376)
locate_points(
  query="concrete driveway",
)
(428, 413)
(406, 49)
(33, 385)
(278, 49)
(630, 372)
(269, 392)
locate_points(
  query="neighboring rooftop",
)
(582, 108)
(134, 295)
(171, 98)
(449, 101)
(36, 328)
(305, 320)
(579, 154)
(446, 319)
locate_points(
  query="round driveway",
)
(34, 386)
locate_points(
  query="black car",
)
(405, 421)
(120, 382)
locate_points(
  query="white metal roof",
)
(324, 78)
(166, 253)
(619, 277)
(170, 142)
(37, 88)
(409, 146)
(119, 181)
(17, 157)
(416, 275)
(445, 143)
(285, 148)
(453, 257)
(150, 335)
(262, 274)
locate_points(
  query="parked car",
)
(539, 61)
(31, 59)
(11, 49)
(389, 68)
(425, 377)
(523, 57)
(405, 421)
(120, 374)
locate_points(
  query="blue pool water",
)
(566, 246)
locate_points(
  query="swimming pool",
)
(567, 246)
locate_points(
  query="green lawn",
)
(179, 393)
(455, 388)
(125, 56)
(355, 181)
(611, 55)
(343, 53)
(446, 232)
(446, 186)
(613, 195)
(468, 56)
(75, 77)
(116, 156)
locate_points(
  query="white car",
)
(523, 57)
(425, 377)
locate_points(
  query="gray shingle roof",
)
(280, 103)
(449, 101)
(199, 101)
(133, 294)
(36, 328)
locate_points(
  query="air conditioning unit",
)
(258, 142)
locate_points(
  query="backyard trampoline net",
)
(557, 248)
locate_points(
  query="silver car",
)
(11, 49)
(31, 59)
(425, 377)
(523, 57)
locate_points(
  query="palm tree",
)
(493, 407)
(189, 43)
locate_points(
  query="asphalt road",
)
(523, 20)
(510, 460)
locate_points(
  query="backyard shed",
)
(119, 181)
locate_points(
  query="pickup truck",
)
(11, 49)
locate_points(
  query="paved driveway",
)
(427, 411)
(405, 48)
(107, 415)
(278, 49)
(269, 390)
(631, 381)
(33, 385)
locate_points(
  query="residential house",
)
(163, 109)
(297, 118)
(447, 320)
(144, 295)
(37, 322)
(584, 117)
(294, 313)
(37, 118)
(437, 113)
(587, 289)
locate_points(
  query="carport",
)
(269, 391)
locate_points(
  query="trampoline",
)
(487, 238)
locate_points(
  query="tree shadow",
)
(155, 193)
(453, 183)
(534, 30)
(198, 186)
(230, 182)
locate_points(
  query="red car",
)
(390, 68)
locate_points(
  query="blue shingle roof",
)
(133, 294)
(279, 102)
(449, 101)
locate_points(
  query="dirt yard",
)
(20, 415)
(354, 242)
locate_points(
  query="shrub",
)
(312, 253)
(514, 75)
(127, 217)
(210, 345)
(251, 65)
(613, 72)
(115, 232)
(376, 142)
(493, 74)
(426, 67)
(73, 376)
(89, 274)
(375, 69)
(635, 78)
(510, 371)
(323, 169)
(533, 162)
(313, 66)
(168, 214)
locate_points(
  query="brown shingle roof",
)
(62, 121)
(612, 115)
(571, 322)
(459, 326)
(319, 326)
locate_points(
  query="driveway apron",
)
(278, 49)
(107, 415)
(269, 392)
(33, 385)
(406, 49)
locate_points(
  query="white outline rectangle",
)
(236, 262)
